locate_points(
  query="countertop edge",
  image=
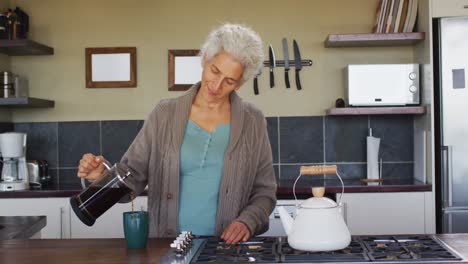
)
(281, 191)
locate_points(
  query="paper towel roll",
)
(373, 144)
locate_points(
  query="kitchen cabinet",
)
(57, 211)
(62, 221)
(108, 225)
(448, 8)
(389, 213)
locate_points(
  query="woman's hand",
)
(235, 232)
(90, 166)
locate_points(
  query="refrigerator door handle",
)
(447, 176)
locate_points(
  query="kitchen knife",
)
(297, 64)
(256, 83)
(271, 55)
(286, 62)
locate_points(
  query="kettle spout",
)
(286, 219)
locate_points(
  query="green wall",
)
(154, 26)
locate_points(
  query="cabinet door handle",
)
(465, 6)
(61, 223)
(447, 176)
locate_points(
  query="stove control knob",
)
(182, 242)
(179, 249)
(185, 238)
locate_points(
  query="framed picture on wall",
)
(184, 69)
(110, 67)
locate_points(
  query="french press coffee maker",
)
(113, 184)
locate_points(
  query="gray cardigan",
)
(248, 185)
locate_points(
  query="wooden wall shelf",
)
(24, 47)
(373, 40)
(26, 102)
(397, 110)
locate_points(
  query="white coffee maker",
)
(15, 170)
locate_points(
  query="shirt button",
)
(169, 196)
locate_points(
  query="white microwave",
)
(383, 84)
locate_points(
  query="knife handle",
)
(298, 81)
(286, 79)
(272, 79)
(255, 86)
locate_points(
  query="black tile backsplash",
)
(301, 139)
(352, 171)
(272, 126)
(6, 127)
(53, 173)
(41, 141)
(76, 139)
(69, 180)
(117, 136)
(289, 171)
(345, 138)
(396, 136)
(295, 141)
(397, 170)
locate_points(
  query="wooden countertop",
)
(20, 227)
(77, 251)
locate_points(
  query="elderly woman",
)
(205, 155)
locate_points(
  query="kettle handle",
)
(105, 163)
(318, 170)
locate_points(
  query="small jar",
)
(8, 85)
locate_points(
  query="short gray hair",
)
(241, 42)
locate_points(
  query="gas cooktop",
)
(401, 248)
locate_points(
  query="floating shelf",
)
(372, 40)
(24, 47)
(397, 110)
(26, 102)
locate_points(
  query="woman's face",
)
(221, 75)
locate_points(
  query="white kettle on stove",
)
(319, 224)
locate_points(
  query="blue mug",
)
(136, 228)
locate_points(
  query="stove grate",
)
(398, 248)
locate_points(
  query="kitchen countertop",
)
(333, 186)
(104, 251)
(284, 188)
(20, 227)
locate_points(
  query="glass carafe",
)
(113, 184)
(10, 170)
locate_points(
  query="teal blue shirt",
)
(201, 168)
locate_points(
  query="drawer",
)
(449, 8)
